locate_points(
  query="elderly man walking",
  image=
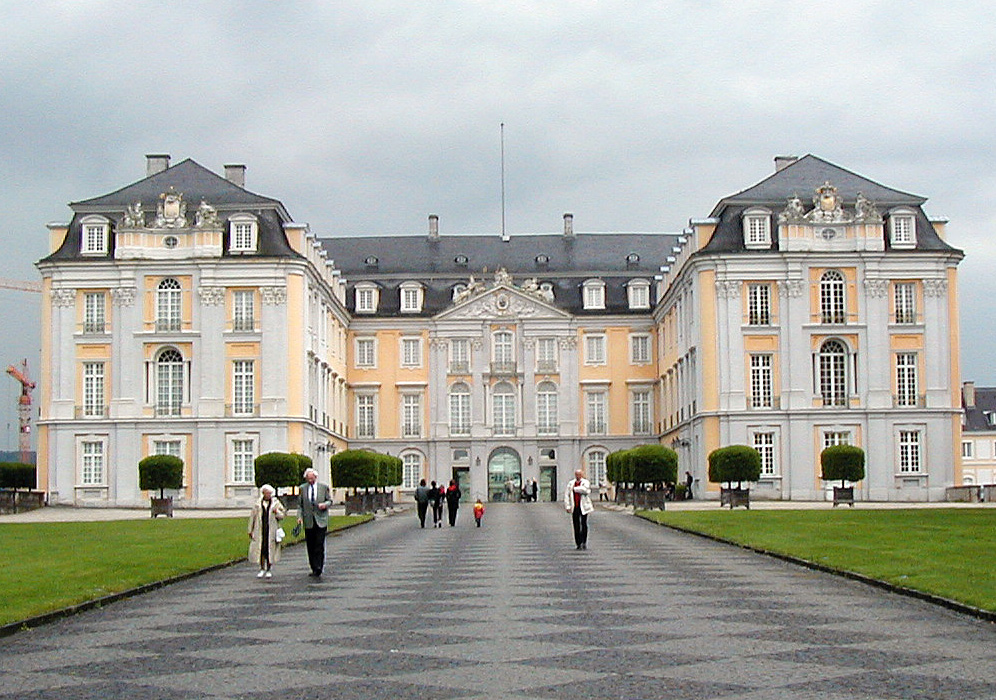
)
(577, 502)
(313, 513)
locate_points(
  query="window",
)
(596, 467)
(546, 355)
(966, 448)
(94, 312)
(909, 451)
(595, 403)
(836, 437)
(760, 381)
(906, 379)
(411, 415)
(546, 409)
(594, 349)
(902, 229)
(504, 356)
(764, 443)
(366, 299)
(92, 471)
(94, 230)
(460, 409)
(243, 310)
(639, 294)
(365, 416)
(366, 352)
(833, 375)
(639, 349)
(243, 230)
(594, 294)
(169, 382)
(757, 228)
(832, 305)
(166, 447)
(243, 461)
(93, 389)
(460, 356)
(640, 410)
(504, 409)
(168, 305)
(411, 470)
(411, 297)
(411, 352)
(759, 304)
(904, 298)
(243, 388)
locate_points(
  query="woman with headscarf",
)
(264, 521)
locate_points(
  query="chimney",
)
(433, 227)
(782, 162)
(968, 394)
(568, 225)
(156, 163)
(236, 174)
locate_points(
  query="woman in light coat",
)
(264, 548)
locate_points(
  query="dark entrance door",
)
(461, 475)
(548, 484)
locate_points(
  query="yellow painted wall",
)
(56, 237)
(708, 355)
(296, 366)
(45, 367)
(954, 380)
(710, 442)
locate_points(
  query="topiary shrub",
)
(653, 464)
(160, 472)
(303, 464)
(737, 463)
(355, 469)
(278, 469)
(17, 475)
(844, 462)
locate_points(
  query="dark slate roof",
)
(800, 179)
(195, 183)
(985, 402)
(435, 264)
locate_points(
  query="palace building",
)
(186, 315)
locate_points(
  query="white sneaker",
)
(261, 573)
(269, 574)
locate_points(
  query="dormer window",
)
(411, 297)
(243, 233)
(94, 230)
(902, 229)
(594, 294)
(367, 297)
(757, 228)
(638, 292)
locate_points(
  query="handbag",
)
(280, 534)
(297, 530)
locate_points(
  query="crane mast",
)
(23, 408)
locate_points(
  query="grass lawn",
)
(49, 566)
(946, 552)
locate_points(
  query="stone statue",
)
(866, 210)
(502, 277)
(206, 216)
(794, 210)
(134, 217)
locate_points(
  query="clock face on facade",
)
(828, 234)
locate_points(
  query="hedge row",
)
(15, 475)
(644, 464)
(281, 469)
(363, 469)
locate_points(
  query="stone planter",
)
(14, 501)
(734, 498)
(369, 502)
(162, 506)
(843, 495)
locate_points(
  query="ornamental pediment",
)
(501, 299)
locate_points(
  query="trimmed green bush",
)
(278, 469)
(160, 472)
(844, 462)
(737, 463)
(612, 467)
(303, 464)
(16, 475)
(653, 464)
(354, 469)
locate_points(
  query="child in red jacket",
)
(478, 511)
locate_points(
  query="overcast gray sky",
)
(365, 117)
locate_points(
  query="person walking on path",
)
(436, 499)
(313, 513)
(689, 480)
(421, 501)
(264, 521)
(533, 490)
(478, 511)
(453, 495)
(577, 502)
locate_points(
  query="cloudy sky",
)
(365, 117)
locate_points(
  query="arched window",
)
(546, 408)
(595, 470)
(833, 373)
(503, 408)
(168, 305)
(169, 382)
(460, 409)
(503, 353)
(833, 308)
(411, 469)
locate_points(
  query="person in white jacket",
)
(577, 502)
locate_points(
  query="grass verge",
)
(51, 566)
(942, 552)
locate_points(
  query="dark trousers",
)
(422, 508)
(437, 512)
(580, 526)
(314, 538)
(453, 512)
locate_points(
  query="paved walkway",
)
(511, 610)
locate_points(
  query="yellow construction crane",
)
(23, 408)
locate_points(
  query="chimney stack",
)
(568, 225)
(156, 163)
(433, 227)
(782, 162)
(236, 174)
(968, 394)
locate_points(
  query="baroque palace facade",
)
(186, 315)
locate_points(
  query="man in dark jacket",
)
(453, 495)
(422, 501)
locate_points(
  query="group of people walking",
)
(437, 497)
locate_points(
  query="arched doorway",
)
(504, 464)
